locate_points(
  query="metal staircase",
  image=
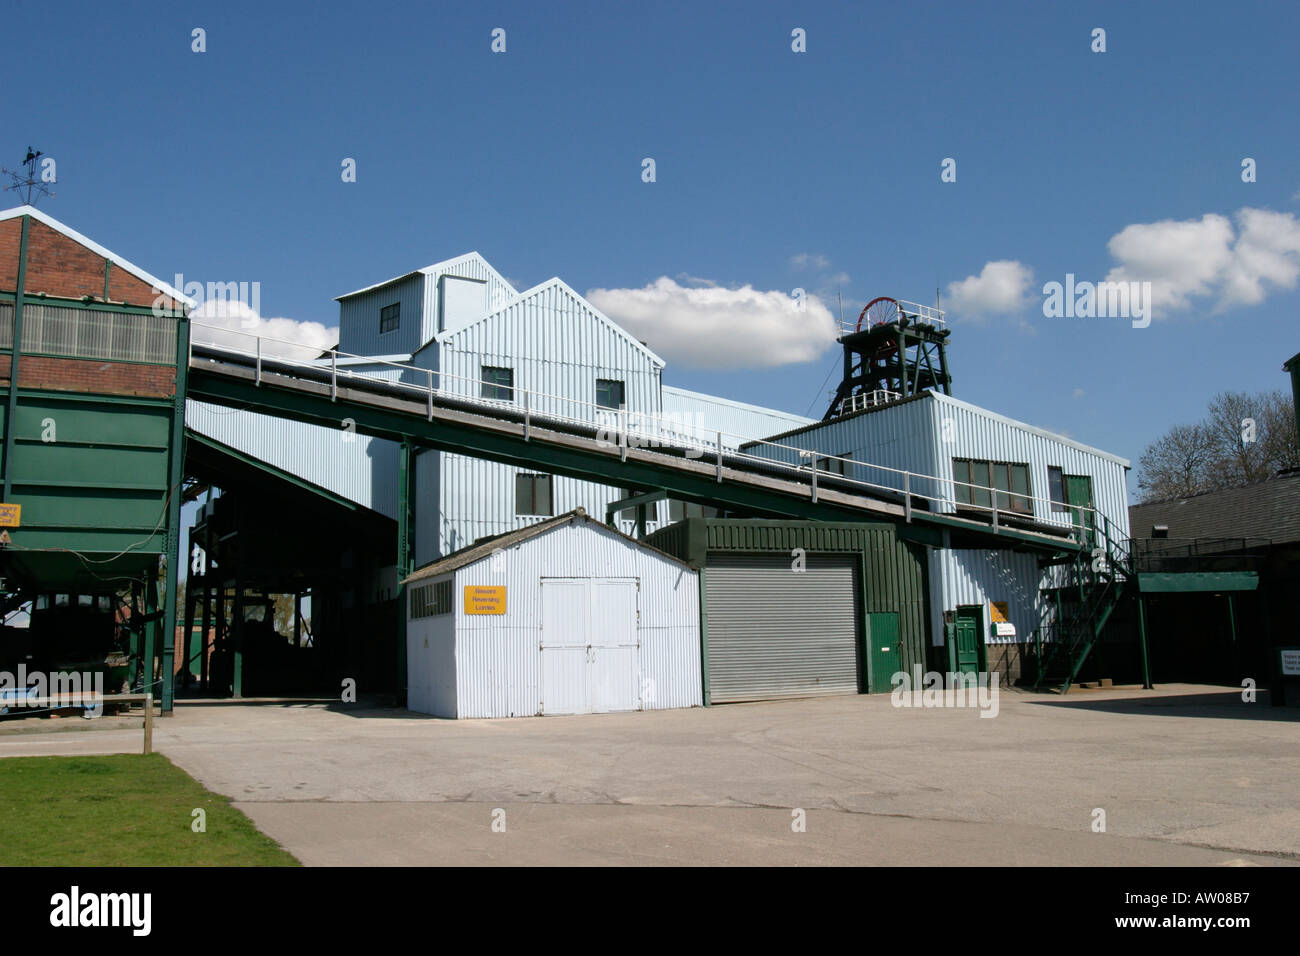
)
(1077, 610)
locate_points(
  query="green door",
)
(886, 655)
(969, 624)
(1078, 494)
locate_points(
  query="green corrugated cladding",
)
(893, 569)
(91, 472)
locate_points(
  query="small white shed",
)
(567, 616)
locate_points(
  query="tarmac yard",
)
(1184, 775)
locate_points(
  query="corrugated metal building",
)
(941, 442)
(565, 617)
(546, 346)
(801, 608)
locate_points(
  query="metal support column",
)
(11, 409)
(150, 653)
(237, 639)
(405, 557)
(1142, 639)
(205, 631)
(187, 625)
(175, 474)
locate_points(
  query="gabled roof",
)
(557, 283)
(129, 267)
(1265, 509)
(446, 265)
(485, 547)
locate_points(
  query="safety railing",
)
(863, 400)
(624, 429)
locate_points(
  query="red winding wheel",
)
(877, 311)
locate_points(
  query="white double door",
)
(590, 647)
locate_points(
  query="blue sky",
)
(774, 170)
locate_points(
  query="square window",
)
(609, 393)
(497, 384)
(390, 317)
(533, 495)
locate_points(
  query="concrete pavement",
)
(1185, 776)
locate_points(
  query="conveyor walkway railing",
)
(586, 439)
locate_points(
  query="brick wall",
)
(93, 376)
(56, 265)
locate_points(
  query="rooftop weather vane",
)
(28, 182)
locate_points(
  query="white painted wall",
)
(497, 661)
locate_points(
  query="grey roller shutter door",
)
(775, 633)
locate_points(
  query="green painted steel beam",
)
(280, 473)
(15, 359)
(176, 475)
(589, 462)
(1173, 583)
(69, 302)
(405, 555)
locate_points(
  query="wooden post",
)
(148, 723)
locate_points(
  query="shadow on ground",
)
(1219, 705)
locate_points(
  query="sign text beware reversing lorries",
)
(485, 599)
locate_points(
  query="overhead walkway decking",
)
(687, 469)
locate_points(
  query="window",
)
(833, 466)
(533, 495)
(498, 384)
(1056, 488)
(678, 510)
(390, 316)
(431, 599)
(609, 393)
(1010, 483)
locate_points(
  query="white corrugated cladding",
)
(923, 436)
(705, 415)
(557, 345)
(470, 266)
(353, 466)
(476, 498)
(978, 433)
(979, 577)
(431, 661)
(498, 662)
(901, 437)
(359, 319)
(417, 293)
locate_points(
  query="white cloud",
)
(1002, 286)
(809, 260)
(715, 327)
(235, 325)
(1208, 258)
(1078, 393)
(1179, 259)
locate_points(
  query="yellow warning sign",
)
(998, 612)
(485, 599)
(10, 515)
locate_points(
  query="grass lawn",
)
(123, 810)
